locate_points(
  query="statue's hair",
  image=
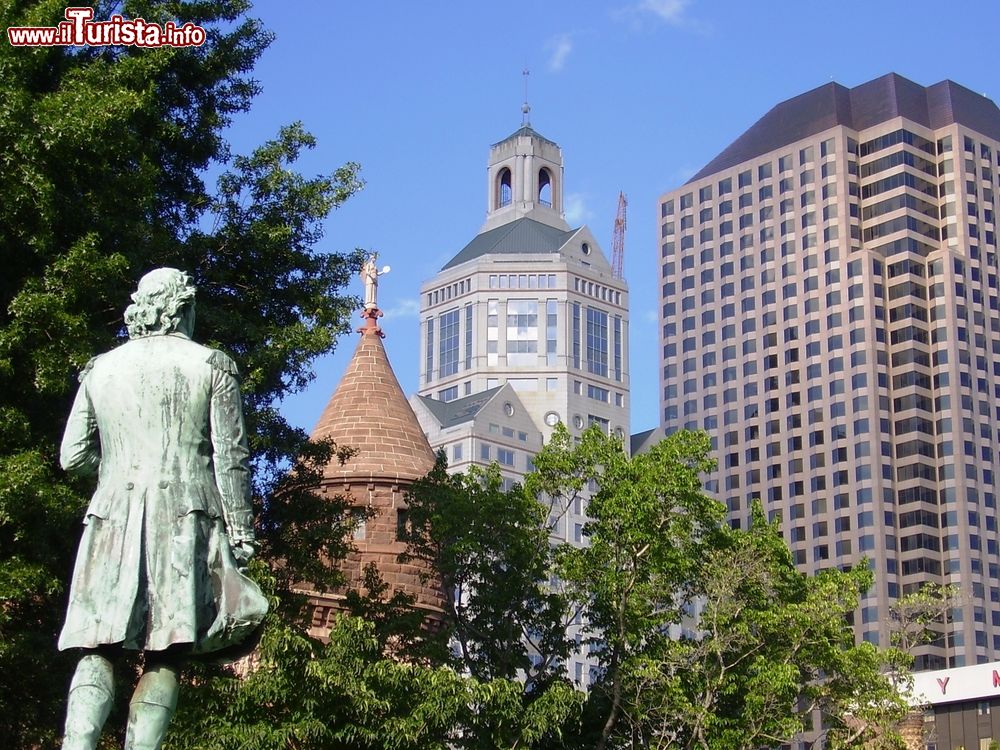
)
(160, 302)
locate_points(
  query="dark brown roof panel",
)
(369, 412)
(862, 107)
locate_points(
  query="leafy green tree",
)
(399, 627)
(650, 521)
(101, 177)
(707, 636)
(306, 694)
(381, 680)
(769, 648)
(346, 694)
(917, 618)
(490, 548)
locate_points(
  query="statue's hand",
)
(243, 550)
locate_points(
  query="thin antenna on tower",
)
(618, 239)
(525, 108)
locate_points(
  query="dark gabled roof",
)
(465, 409)
(643, 441)
(530, 132)
(858, 108)
(520, 237)
(792, 120)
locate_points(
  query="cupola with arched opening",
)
(525, 180)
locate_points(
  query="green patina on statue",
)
(159, 421)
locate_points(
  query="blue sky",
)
(640, 94)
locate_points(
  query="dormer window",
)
(504, 191)
(544, 187)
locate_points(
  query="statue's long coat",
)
(160, 420)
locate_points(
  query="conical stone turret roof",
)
(369, 413)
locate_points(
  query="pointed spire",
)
(369, 413)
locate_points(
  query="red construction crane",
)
(618, 239)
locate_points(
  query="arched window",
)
(544, 187)
(504, 191)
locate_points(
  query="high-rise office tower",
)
(830, 315)
(522, 329)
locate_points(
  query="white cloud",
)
(559, 46)
(651, 316)
(404, 308)
(576, 209)
(669, 11)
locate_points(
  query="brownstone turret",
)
(369, 413)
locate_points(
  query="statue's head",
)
(163, 303)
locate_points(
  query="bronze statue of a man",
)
(159, 420)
